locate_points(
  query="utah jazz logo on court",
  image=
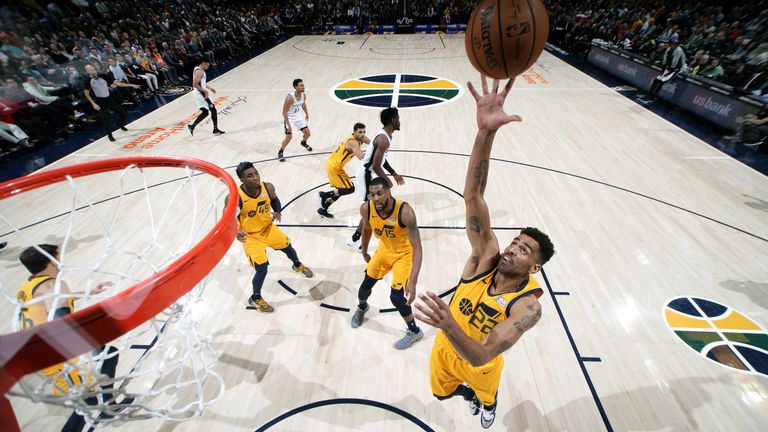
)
(719, 333)
(397, 90)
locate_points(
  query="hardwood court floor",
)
(640, 212)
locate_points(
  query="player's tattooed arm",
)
(523, 316)
(475, 225)
(485, 246)
(529, 320)
(490, 117)
(481, 175)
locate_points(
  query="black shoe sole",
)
(325, 215)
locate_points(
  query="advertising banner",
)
(711, 102)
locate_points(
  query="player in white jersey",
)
(200, 92)
(294, 103)
(375, 162)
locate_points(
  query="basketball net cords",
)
(185, 338)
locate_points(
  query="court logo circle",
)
(719, 333)
(397, 90)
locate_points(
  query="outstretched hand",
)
(434, 311)
(490, 106)
(100, 288)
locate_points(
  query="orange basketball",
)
(505, 37)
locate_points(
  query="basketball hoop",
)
(154, 305)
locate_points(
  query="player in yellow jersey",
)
(496, 300)
(334, 167)
(259, 206)
(41, 283)
(393, 222)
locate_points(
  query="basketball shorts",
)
(64, 382)
(362, 178)
(297, 122)
(256, 244)
(337, 177)
(202, 102)
(447, 370)
(384, 261)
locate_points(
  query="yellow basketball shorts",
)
(447, 370)
(64, 382)
(256, 244)
(337, 177)
(384, 261)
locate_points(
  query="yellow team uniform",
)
(477, 312)
(334, 165)
(256, 220)
(394, 252)
(36, 314)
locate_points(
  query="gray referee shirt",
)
(99, 87)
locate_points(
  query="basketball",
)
(505, 37)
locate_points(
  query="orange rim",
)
(29, 350)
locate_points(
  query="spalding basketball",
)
(505, 37)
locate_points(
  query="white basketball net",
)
(123, 227)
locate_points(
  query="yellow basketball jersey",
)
(341, 155)
(255, 212)
(392, 235)
(35, 314)
(477, 311)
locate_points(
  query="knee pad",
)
(366, 288)
(397, 297)
(204, 111)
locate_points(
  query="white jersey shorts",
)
(362, 178)
(202, 103)
(297, 123)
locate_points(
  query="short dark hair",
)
(297, 81)
(380, 181)
(34, 260)
(242, 166)
(388, 115)
(358, 126)
(546, 248)
(204, 60)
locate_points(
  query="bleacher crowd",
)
(728, 44)
(154, 44)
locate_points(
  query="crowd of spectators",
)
(317, 15)
(728, 44)
(46, 46)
